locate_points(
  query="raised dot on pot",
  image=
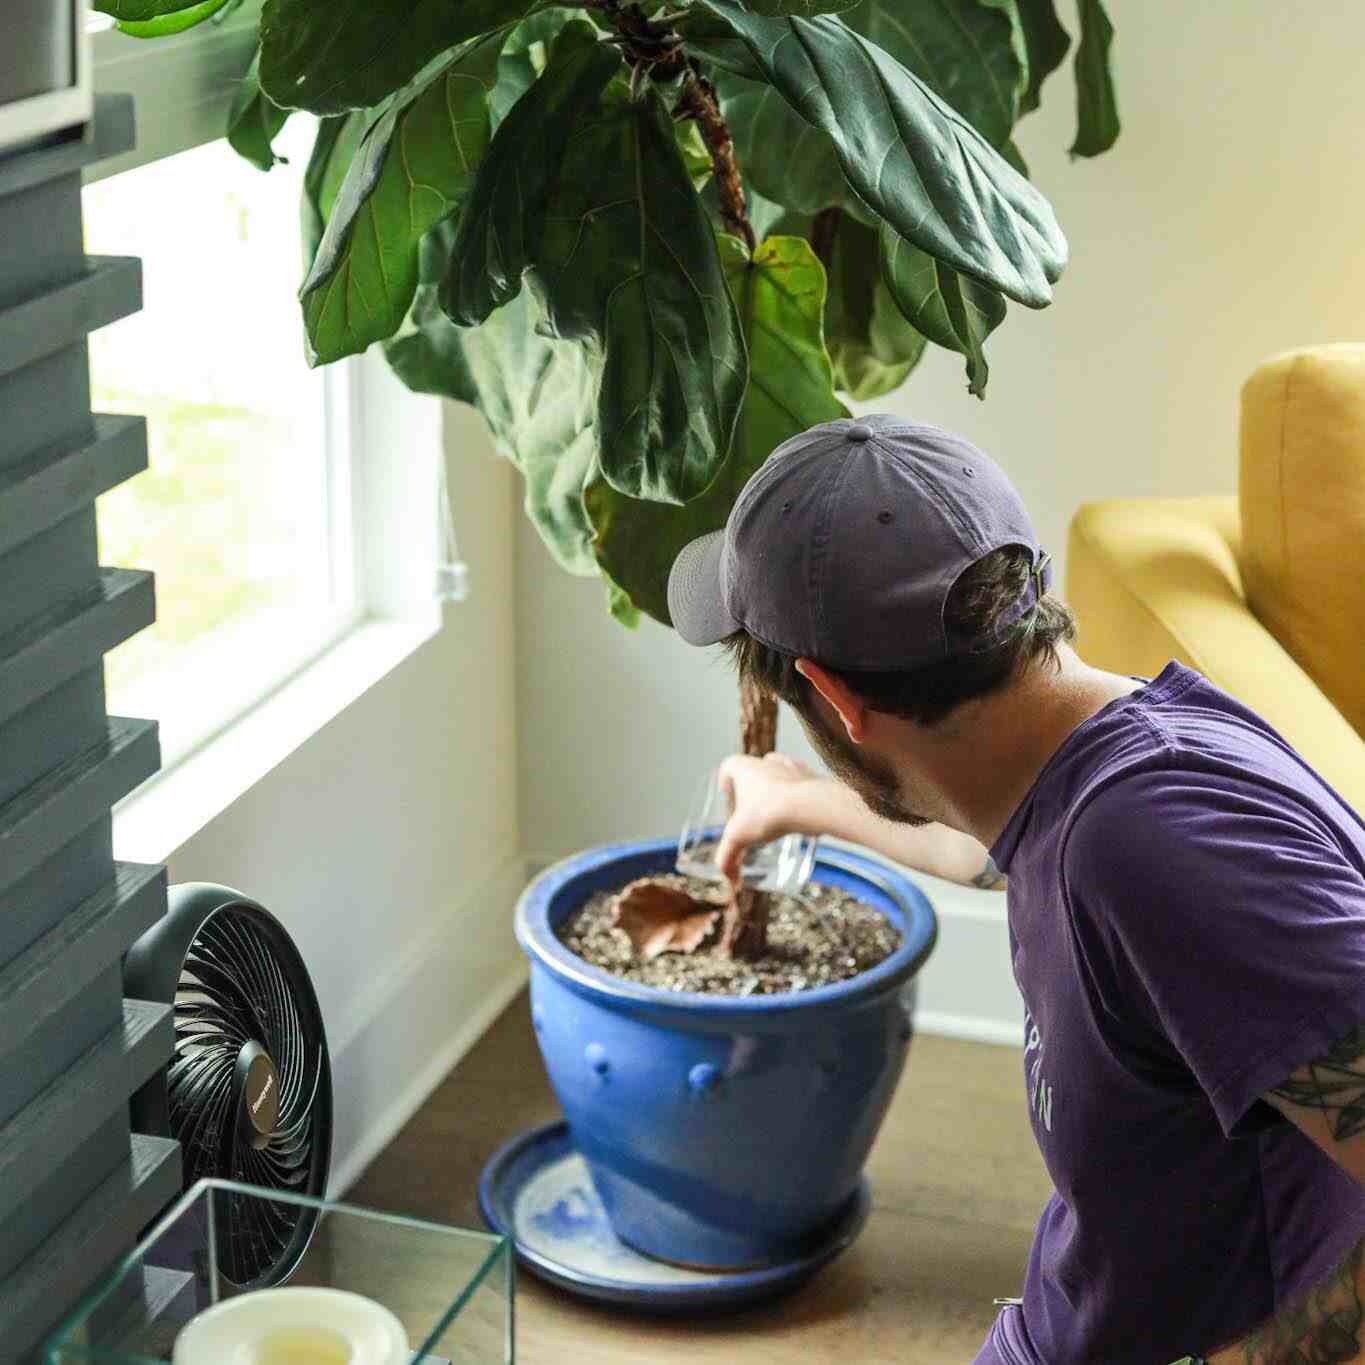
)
(703, 1078)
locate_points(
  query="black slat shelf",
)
(45, 1289)
(31, 1216)
(76, 1187)
(57, 1120)
(109, 134)
(43, 817)
(70, 955)
(109, 288)
(72, 636)
(38, 492)
(33, 1056)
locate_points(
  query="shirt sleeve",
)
(1228, 912)
(1008, 1342)
(989, 1354)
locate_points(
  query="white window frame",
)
(182, 87)
(383, 449)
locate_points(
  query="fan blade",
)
(299, 1104)
(230, 1002)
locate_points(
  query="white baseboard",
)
(971, 1028)
(389, 1123)
(967, 989)
(413, 1027)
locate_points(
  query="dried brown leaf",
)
(662, 919)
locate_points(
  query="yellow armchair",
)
(1264, 592)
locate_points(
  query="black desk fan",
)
(248, 1091)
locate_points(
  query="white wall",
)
(1223, 227)
(389, 843)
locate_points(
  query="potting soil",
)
(823, 936)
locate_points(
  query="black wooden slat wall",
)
(75, 1184)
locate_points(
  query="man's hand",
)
(769, 797)
(776, 795)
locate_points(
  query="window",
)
(244, 513)
(287, 513)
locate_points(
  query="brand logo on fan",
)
(265, 1090)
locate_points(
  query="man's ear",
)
(852, 710)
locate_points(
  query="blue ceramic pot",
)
(723, 1132)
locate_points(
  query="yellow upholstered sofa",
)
(1264, 592)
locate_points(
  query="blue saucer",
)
(537, 1191)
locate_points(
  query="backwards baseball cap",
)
(845, 544)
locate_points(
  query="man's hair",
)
(979, 665)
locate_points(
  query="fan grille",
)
(243, 982)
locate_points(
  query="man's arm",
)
(1325, 1099)
(1324, 1324)
(776, 795)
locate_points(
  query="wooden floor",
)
(957, 1188)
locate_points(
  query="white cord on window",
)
(452, 573)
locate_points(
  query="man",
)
(1186, 896)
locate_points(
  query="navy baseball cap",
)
(845, 544)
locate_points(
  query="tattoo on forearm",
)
(990, 878)
(1334, 1085)
(1322, 1326)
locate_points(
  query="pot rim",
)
(540, 943)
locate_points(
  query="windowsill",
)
(204, 687)
(167, 811)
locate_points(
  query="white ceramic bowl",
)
(301, 1326)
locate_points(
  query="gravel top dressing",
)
(824, 936)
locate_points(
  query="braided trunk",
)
(744, 926)
(655, 48)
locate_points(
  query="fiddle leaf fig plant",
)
(651, 241)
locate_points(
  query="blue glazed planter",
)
(721, 1132)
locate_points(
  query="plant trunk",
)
(744, 927)
(757, 721)
(650, 46)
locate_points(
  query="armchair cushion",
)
(1302, 497)
(1152, 579)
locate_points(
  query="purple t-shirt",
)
(1187, 922)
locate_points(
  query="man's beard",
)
(872, 778)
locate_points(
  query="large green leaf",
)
(621, 607)
(711, 36)
(628, 262)
(589, 189)
(806, 7)
(780, 296)
(770, 219)
(141, 10)
(525, 55)
(871, 345)
(333, 55)
(334, 145)
(173, 21)
(786, 159)
(1097, 114)
(412, 168)
(503, 222)
(537, 396)
(913, 159)
(1009, 149)
(1018, 38)
(253, 121)
(965, 51)
(951, 309)
(695, 156)
(1046, 42)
